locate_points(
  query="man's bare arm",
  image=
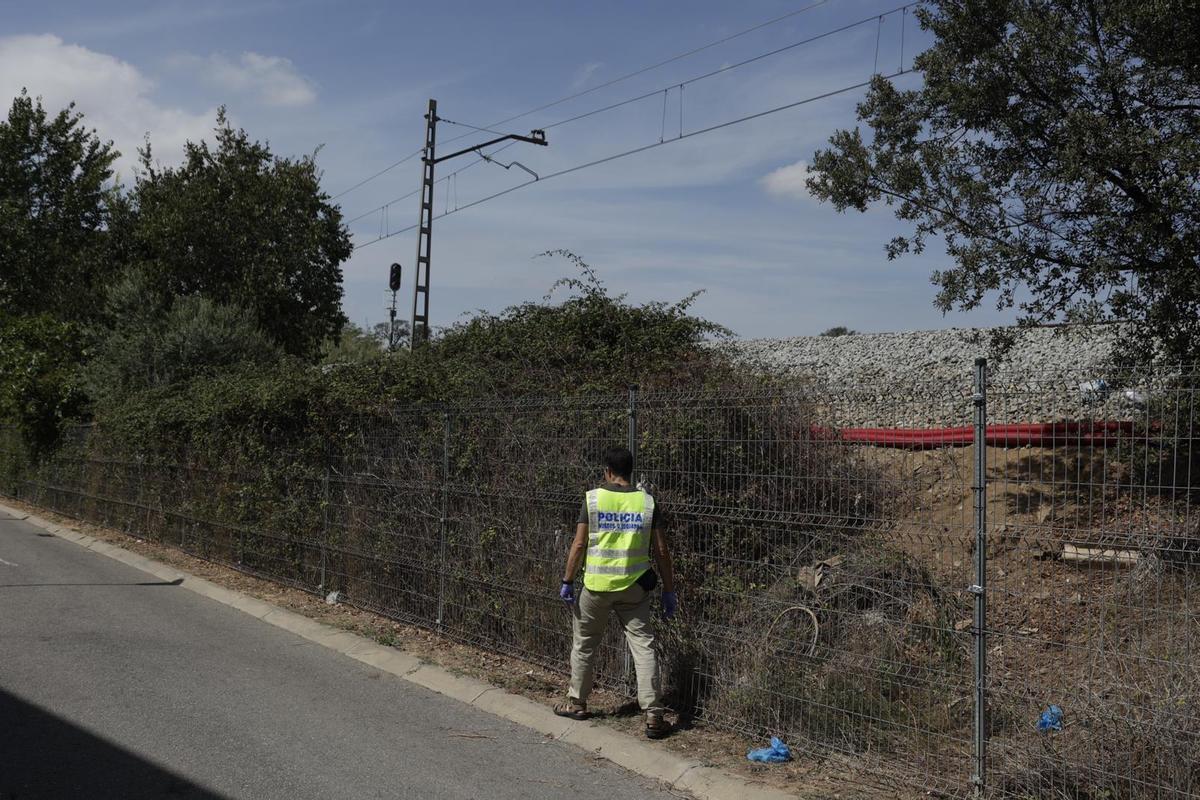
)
(577, 552)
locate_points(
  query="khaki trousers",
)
(632, 607)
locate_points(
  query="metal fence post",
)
(326, 498)
(441, 609)
(631, 438)
(631, 442)
(979, 589)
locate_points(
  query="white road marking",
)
(8, 563)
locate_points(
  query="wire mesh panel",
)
(821, 585)
(14, 461)
(517, 473)
(383, 510)
(1094, 658)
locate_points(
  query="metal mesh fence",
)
(833, 586)
(1093, 561)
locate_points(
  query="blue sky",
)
(724, 212)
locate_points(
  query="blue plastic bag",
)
(1050, 720)
(777, 753)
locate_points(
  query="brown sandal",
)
(572, 709)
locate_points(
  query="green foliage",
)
(40, 387)
(55, 203)
(591, 340)
(230, 259)
(155, 341)
(356, 345)
(1054, 147)
(243, 227)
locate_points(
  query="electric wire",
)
(472, 127)
(591, 89)
(644, 148)
(878, 37)
(444, 179)
(383, 171)
(662, 63)
(727, 68)
(654, 93)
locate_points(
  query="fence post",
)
(979, 588)
(631, 438)
(326, 498)
(631, 442)
(442, 520)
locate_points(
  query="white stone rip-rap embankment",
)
(923, 379)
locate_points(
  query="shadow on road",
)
(176, 582)
(44, 756)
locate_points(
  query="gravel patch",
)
(923, 379)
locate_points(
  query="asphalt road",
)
(116, 685)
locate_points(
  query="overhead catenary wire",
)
(381, 172)
(878, 37)
(878, 17)
(472, 127)
(726, 68)
(663, 63)
(444, 179)
(589, 90)
(644, 148)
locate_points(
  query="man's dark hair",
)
(620, 461)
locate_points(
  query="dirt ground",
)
(1109, 635)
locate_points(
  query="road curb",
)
(633, 754)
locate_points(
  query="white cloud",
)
(272, 80)
(584, 74)
(787, 181)
(114, 96)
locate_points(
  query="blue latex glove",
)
(567, 593)
(670, 602)
(1051, 720)
(778, 752)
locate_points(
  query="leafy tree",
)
(245, 228)
(383, 332)
(40, 386)
(356, 345)
(1055, 147)
(156, 341)
(838, 330)
(56, 197)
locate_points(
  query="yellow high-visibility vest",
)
(618, 539)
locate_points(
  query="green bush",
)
(154, 341)
(41, 389)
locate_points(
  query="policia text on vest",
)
(619, 538)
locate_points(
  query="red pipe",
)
(1050, 434)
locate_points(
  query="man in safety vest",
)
(619, 532)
